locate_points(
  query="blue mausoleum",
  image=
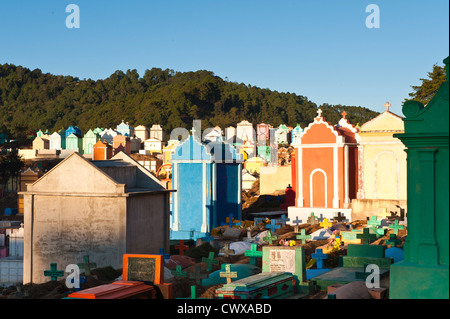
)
(208, 184)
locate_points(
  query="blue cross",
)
(230, 221)
(161, 252)
(319, 256)
(320, 219)
(272, 226)
(283, 220)
(296, 221)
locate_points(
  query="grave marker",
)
(86, 265)
(178, 272)
(272, 226)
(228, 273)
(226, 251)
(366, 237)
(393, 241)
(229, 221)
(210, 261)
(53, 273)
(396, 227)
(340, 217)
(287, 259)
(138, 267)
(270, 238)
(326, 223)
(282, 220)
(312, 220)
(303, 237)
(319, 256)
(249, 236)
(181, 247)
(253, 253)
(374, 222)
(296, 221)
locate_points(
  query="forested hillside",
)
(31, 100)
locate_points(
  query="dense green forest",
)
(31, 100)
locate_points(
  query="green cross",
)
(197, 275)
(193, 292)
(87, 266)
(210, 261)
(366, 237)
(53, 273)
(374, 222)
(253, 253)
(303, 236)
(178, 272)
(269, 237)
(228, 273)
(396, 227)
(393, 241)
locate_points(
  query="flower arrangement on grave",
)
(288, 243)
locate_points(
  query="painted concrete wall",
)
(363, 208)
(384, 168)
(146, 220)
(274, 178)
(62, 229)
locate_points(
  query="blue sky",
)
(320, 49)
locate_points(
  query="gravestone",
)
(288, 259)
(274, 285)
(355, 260)
(319, 256)
(243, 271)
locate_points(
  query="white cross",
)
(319, 112)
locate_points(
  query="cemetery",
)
(215, 234)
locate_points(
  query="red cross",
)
(181, 247)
